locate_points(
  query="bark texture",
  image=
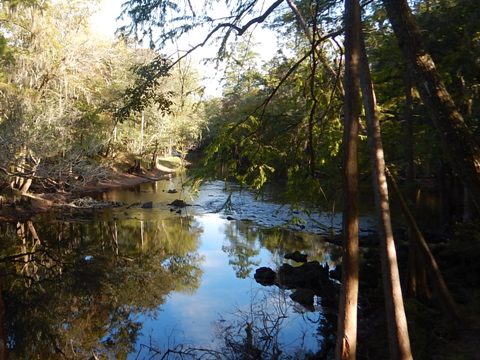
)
(3, 328)
(347, 316)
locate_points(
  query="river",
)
(147, 280)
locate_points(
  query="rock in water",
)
(147, 205)
(265, 276)
(178, 203)
(310, 275)
(296, 256)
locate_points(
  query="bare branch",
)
(311, 38)
(239, 30)
(292, 70)
(191, 8)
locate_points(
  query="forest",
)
(365, 106)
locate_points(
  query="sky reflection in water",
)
(185, 278)
(190, 318)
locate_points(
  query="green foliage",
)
(452, 36)
(450, 32)
(63, 93)
(261, 132)
(143, 93)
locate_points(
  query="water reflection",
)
(242, 247)
(267, 326)
(244, 241)
(74, 290)
(135, 282)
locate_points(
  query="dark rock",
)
(265, 276)
(147, 205)
(308, 280)
(133, 205)
(309, 275)
(304, 297)
(178, 203)
(296, 256)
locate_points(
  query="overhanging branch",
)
(239, 30)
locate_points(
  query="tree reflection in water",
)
(73, 289)
(261, 328)
(80, 287)
(244, 240)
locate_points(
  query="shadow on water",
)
(142, 282)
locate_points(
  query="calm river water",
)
(145, 280)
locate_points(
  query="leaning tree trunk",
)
(398, 340)
(347, 314)
(311, 38)
(446, 300)
(25, 170)
(457, 139)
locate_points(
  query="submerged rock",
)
(90, 203)
(135, 204)
(309, 279)
(309, 275)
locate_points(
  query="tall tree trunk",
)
(457, 139)
(398, 339)
(347, 314)
(417, 282)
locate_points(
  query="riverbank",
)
(32, 204)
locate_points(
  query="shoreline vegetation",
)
(26, 206)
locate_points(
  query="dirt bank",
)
(32, 204)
